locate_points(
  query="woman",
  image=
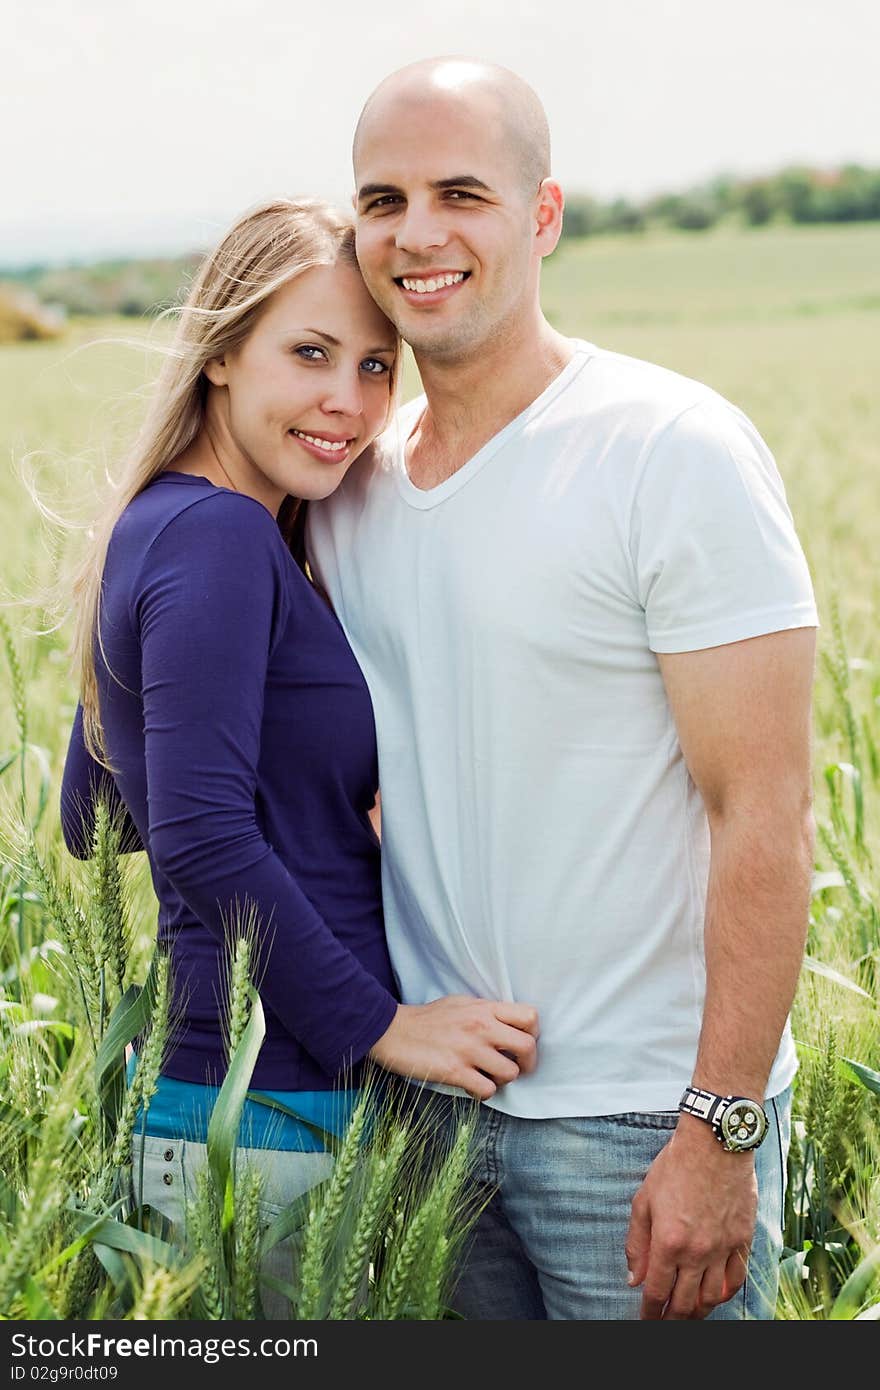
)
(218, 686)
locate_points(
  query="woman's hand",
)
(477, 1044)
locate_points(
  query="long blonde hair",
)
(265, 249)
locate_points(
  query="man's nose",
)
(420, 229)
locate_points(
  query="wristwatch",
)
(738, 1122)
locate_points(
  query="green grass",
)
(786, 323)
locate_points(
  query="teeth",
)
(323, 443)
(439, 283)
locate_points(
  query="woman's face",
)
(307, 390)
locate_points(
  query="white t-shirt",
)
(541, 837)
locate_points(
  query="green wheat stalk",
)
(374, 1204)
(19, 706)
(323, 1219)
(204, 1227)
(843, 863)
(72, 925)
(239, 994)
(246, 1259)
(110, 933)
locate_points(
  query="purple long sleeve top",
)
(241, 735)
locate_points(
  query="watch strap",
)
(706, 1105)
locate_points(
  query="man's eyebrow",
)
(370, 190)
(373, 190)
(462, 181)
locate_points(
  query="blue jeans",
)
(549, 1244)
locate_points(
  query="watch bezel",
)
(733, 1120)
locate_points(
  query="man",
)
(574, 586)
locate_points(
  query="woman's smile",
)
(329, 448)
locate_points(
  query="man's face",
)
(445, 230)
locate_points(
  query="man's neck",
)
(471, 399)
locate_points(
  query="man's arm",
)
(743, 715)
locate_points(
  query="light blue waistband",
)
(182, 1110)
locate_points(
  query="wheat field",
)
(785, 322)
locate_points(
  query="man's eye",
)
(460, 193)
(386, 200)
(311, 352)
(375, 366)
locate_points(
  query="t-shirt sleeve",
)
(714, 547)
(211, 602)
(83, 784)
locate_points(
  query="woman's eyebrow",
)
(334, 342)
(318, 333)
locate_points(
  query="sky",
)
(130, 127)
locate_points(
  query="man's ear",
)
(215, 371)
(549, 207)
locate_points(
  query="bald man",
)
(576, 591)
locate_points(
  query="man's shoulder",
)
(640, 405)
(614, 379)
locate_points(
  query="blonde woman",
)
(223, 707)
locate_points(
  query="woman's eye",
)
(311, 353)
(375, 366)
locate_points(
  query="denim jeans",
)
(170, 1168)
(549, 1244)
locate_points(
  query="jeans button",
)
(167, 1179)
(169, 1154)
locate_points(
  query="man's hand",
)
(693, 1219)
(476, 1044)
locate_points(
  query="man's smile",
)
(431, 286)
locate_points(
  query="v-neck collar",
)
(425, 498)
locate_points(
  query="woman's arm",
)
(210, 604)
(84, 783)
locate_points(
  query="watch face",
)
(743, 1125)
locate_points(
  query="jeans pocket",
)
(164, 1176)
(644, 1119)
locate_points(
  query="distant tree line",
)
(131, 287)
(799, 194)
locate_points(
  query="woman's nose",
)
(344, 395)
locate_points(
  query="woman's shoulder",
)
(195, 512)
(184, 526)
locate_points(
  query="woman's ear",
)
(215, 371)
